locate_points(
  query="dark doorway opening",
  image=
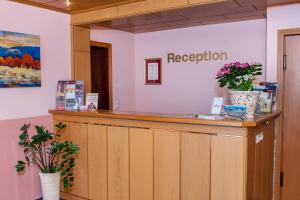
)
(101, 74)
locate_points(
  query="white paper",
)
(217, 106)
(259, 138)
(153, 71)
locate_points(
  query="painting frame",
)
(153, 75)
(20, 60)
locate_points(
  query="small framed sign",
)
(153, 71)
(217, 105)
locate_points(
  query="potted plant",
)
(53, 158)
(238, 77)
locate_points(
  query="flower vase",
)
(246, 98)
(50, 186)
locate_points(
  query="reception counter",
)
(144, 156)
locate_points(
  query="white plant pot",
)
(246, 98)
(50, 186)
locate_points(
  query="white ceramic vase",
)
(245, 98)
(50, 186)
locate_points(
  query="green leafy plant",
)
(238, 76)
(45, 150)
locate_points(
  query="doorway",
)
(289, 98)
(101, 73)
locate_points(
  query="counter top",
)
(169, 118)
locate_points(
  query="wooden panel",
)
(81, 55)
(264, 163)
(118, 163)
(280, 2)
(291, 128)
(149, 6)
(67, 196)
(141, 164)
(227, 168)
(260, 162)
(76, 6)
(78, 135)
(65, 133)
(82, 68)
(199, 2)
(97, 157)
(94, 16)
(166, 165)
(81, 38)
(195, 166)
(174, 119)
(279, 105)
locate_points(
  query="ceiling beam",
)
(39, 5)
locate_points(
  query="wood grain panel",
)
(82, 68)
(227, 168)
(81, 39)
(291, 128)
(166, 165)
(199, 2)
(136, 119)
(78, 135)
(94, 16)
(118, 163)
(97, 161)
(280, 2)
(76, 6)
(65, 133)
(264, 162)
(67, 196)
(149, 6)
(195, 166)
(141, 164)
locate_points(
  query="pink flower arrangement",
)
(238, 76)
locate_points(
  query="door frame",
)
(110, 76)
(280, 106)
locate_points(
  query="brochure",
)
(70, 93)
(60, 95)
(79, 94)
(92, 101)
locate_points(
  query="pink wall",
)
(122, 64)
(189, 87)
(53, 28)
(280, 17)
(12, 185)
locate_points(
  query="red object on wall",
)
(153, 71)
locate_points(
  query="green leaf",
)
(20, 166)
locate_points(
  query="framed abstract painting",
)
(20, 60)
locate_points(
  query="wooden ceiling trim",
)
(105, 6)
(231, 11)
(39, 5)
(134, 9)
(75, 7)
(272, 3)
(94, 16)
(148, 6)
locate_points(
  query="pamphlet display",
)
(267, 96)
(69, 95)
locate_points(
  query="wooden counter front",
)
(142, 156)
